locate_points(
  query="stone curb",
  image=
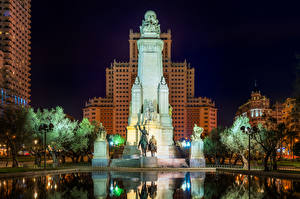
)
(261, 173)
(130, 169)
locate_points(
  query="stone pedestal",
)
(148, 162)
(131, 152)
(101, 154)
(197, 158)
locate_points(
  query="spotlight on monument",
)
(185, 143)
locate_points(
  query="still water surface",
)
(148, 185)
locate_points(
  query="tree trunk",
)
(236, 160)
(63, 160)
(54, 158)
(14, 157)
(81, 158)
(217, 160)
(274, 160)
(266, 168)
(245, 161)
(223, 160)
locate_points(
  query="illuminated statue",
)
(144, 140)
(153, 145)
(150, 25)
(101, 134)
(197, 133)
(197, 158)
(101, 152)
(170, 110)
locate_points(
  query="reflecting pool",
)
(149, 185)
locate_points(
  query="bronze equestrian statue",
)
(144, 140)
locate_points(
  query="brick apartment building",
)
(113, 110)
(15, 20)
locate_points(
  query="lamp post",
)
(249, 131)
(45, 128)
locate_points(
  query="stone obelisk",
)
(149, 105)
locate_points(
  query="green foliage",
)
(80, 139)
(213, 146)
(235, 139)
(14, 131)
(118, 140)
(60, 136)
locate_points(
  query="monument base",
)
(135, 163)
(97, 162)
(167, 152)
(131, 152)
(149, 162)
(197, 162)
(172, 162)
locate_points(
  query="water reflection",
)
(150, 185)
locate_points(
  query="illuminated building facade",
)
(256, 108)
(113, 110)
(15, 27)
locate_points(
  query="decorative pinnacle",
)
(163, 80)
(137, 80)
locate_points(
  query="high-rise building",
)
(15, 27)
(113, 110)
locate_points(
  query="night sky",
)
(230, 45)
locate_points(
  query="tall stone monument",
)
(150, 94)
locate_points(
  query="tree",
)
(237, 141)
(270, 137)
(213, 147)
(13, 129)
(59, 138)
(80, 139)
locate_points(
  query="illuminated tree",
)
(80, 139)
(59, 138)
(213, 147)
(14, 131)
(237, 141)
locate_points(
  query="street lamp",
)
(249, 131)
(45, 128)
